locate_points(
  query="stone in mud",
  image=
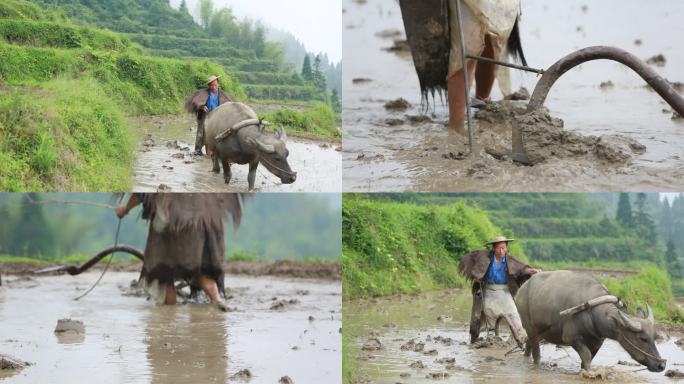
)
(372, 344)
(243, 375)
(179, 155)
(680, 342)
(282, 304)
(8, 363)
(361, 80)
(411, 345)
(400, 46)
(446, 360)
(674, 374)
(69, 325)
(676, 116)
(616, 148)
(394, 122)
(417, 365)
(390, 325)
(388, 33)
(432, 352)
(606, 84)
(443, 318)
(596, 374)
(399, 104)
(657, 60)
(404, 375)
(444, 340)
(629, 363)
(438, 375)
(285, 380)
(418, 119)
(520, 94)
(163, 188)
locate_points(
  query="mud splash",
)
(128, 339)
(165, 162)
(423, 337)
(387, 150)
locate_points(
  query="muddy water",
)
(128, 339)
(399, 155)
(435, 316)
(167, 159)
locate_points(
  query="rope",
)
(116, 242)
(642, 351)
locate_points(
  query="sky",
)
(316, 23)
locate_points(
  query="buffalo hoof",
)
(222, 306)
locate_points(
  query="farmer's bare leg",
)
(485, 74)
(170, 298)
(456, 95)
(211, 289)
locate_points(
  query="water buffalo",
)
(234, 134)
(541, 299)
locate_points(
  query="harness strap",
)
(592, 303)
(240, 125)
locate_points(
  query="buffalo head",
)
(272, 153)
(637, 337)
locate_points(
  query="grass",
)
(653, 286)
(390, 248)
(63, 136)
(318, 121)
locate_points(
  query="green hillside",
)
(391, 247)
(239, 46)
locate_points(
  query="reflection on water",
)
(439, 320)
(130, 340)
(187, 344)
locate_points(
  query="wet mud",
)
(616, 134)
(424, 337)
(129, 339)
(166, 162)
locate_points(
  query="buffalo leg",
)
(594, 348)
(251, 176)
(227, 175)
(536, 353)
(215, 161)
(584, 354)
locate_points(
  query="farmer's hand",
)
(205, 109)
(121, 210)
(532, 271)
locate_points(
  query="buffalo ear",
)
(640, 313)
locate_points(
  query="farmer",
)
(496, 276)
(487, 26)
(184, 241)
(201, 103)
(432, 29)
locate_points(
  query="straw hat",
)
(212, 78)
(499, 239)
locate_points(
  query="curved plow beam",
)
(75, 270)
(659, 84)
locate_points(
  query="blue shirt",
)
(496, 274)
(213, 101)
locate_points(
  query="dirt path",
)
(165, 162)
(277, 327)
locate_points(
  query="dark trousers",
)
(476, 313)
(199, 138)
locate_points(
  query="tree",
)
(335, 101)
(183, 7)
(318, 78)
(307, 73)
(624, 211)
(32, 234)
(671, 253)
(259, 40)
(642, 221)
(206, 8)
(222, 24)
